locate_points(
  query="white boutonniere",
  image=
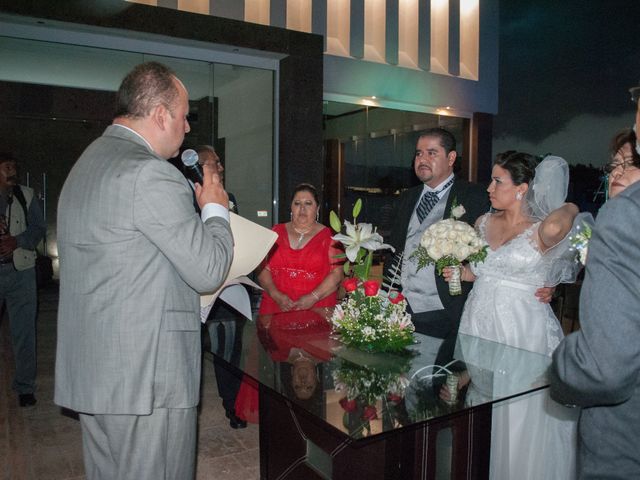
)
(457, 211)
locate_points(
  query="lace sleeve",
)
(482, 226)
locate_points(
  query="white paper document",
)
(252, 243)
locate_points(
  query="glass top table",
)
(359, 398)
(295, 355)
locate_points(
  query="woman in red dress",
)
(300, 273)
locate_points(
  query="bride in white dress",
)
(532, 437)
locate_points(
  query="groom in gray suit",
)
(598, 367)
(133, 257)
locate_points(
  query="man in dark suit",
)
(434, 312)
(224, 324)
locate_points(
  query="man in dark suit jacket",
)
(224, 324)
(434, 312)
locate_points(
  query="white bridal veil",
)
(547, 192)
(549, 187)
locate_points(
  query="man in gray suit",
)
(598, 367)
(133, 256)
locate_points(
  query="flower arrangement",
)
(580, 242)
(369, 391)
(448, 243)
(370, 321)
(369, 318)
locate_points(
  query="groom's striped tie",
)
(428, 201)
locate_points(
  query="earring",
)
(291, 215)
(317, 216)
(518, 195)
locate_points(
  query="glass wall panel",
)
(376, 154)
(58, 98)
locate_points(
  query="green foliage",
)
(334, 221)
(392, 280)
(454, 204)
(361, 269)
(423, 259)
(356, 209)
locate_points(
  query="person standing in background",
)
(224, 324)
(22, 227)
(208, 155)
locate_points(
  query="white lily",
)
(359, 236)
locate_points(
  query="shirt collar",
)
(439, 189)
(135, 133)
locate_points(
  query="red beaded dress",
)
(298, 272)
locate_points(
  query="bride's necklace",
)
(302, 233)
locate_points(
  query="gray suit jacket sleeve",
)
(164, 214)
(600, 364)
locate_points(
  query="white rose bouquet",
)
(448, 243)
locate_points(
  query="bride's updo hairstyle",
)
(521, 166)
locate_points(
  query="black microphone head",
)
(189, 158)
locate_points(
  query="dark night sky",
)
(565, 71)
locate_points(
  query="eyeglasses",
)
(625, 165)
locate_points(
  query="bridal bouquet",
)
(368, 318)
(448, 243)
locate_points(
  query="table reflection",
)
(365, 394)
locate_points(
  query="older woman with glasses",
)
(624, 167)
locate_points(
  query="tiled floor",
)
(43, 442)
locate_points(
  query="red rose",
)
(371, 288)
(394, 397)
(350, 284)
(395, 297)
(348, 405)
(370, 413)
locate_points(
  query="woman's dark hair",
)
(306, 187)
(521, 166)
(620, 140)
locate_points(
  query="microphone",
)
(193, 170)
